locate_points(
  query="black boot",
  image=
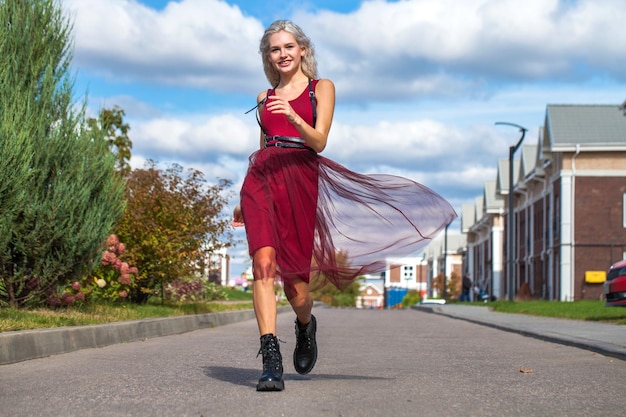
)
(272, 376)
(305, 355)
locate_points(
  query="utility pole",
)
(510, 258)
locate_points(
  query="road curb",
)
(596, 346)
(24, 345)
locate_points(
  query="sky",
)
(419, 84)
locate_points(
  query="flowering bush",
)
(75, 294)
(184, 290)
(113, 279)
(190, 290)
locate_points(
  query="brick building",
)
(410, 273)
(569, 208)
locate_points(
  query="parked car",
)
(615, 284)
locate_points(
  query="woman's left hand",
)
(278, 105)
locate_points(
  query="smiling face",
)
(284, 53)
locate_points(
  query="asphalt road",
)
(371, 363)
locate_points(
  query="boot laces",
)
(304, 339)
(270, 351)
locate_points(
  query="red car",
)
(615, 285)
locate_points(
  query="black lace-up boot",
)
(305, 355)
(272, 376)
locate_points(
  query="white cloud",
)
(425, 146)
(448, 47)
(388, 51)
(199, 43)
(413, 141)
(194, 138)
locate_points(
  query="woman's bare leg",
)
(263, 296)
(300, 299)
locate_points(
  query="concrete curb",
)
(32, 344)
(594, 345)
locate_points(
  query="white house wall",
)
(567, 212)
(497, 261)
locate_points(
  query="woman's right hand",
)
(237, 217)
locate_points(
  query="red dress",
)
(327, 223)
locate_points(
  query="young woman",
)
(310, 221)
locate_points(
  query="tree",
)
(171, 221)
(343, 290)
(334, 297)
(453, 287)
(58, 195)
(116, 131)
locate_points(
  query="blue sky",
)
(419, 83)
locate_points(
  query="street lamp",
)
(510, 214)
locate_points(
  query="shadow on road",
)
(249, 377)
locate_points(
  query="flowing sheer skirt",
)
(330, 224)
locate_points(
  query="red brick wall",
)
(394, 275)
(600, 236)
(421, 273)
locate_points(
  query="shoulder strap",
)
(313, 102)
(256, 113)
(259, 104)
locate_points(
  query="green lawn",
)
(13, 319)
(590, 310)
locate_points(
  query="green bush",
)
(59, 195)
(334, 297)
(411, 298)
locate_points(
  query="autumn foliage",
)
(453, 286)
(173, 219)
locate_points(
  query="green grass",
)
(590, 310)
(237, 295)
(14, 319)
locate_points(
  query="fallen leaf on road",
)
(526, 371)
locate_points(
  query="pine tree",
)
(59, 197)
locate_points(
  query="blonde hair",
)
(309, 63)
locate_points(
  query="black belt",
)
(286, 142)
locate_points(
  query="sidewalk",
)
(607, 339)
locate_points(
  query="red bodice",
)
(278, 125)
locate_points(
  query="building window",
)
(408, 272)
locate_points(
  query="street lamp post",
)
(510, 214)
(445, 261)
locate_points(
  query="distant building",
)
(372, 293)
(409, 273)
(444, 256)
(217, 266)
